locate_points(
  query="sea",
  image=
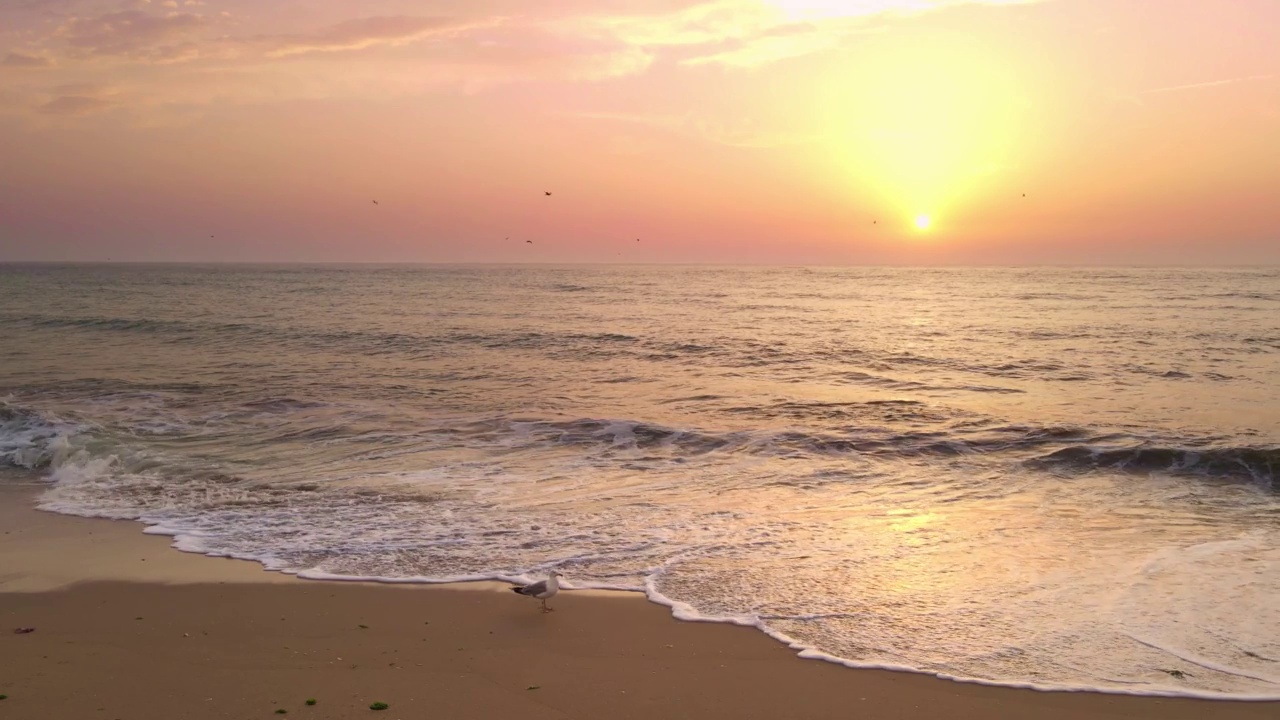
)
(1058, 478)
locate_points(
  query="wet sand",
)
(128, 628)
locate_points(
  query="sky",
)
(667, 131)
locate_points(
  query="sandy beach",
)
(127, 628)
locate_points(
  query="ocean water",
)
(1058, 478)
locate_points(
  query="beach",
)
(127, 628)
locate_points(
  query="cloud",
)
(359, 34)
(1211, 83)
(134, 34)
(44, 6)
(769, 49)
(73, 105)
(18, 60)
(174, 37)
(702, 24)
(752, 33)
(176, 59)
(502, 52)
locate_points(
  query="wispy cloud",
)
(753, 33)
(134, 34)
(183, 54)
(73, 105)
(19, 60)
(769, 49)
(42, 7)
(1211, 83)
(362, 33)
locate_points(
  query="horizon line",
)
(417, 263)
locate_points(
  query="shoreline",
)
(81, 582)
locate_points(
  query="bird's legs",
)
(546, 609)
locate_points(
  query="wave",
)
(1255, 464)
(29, 440)
(882, 430)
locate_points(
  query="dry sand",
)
(129, 629)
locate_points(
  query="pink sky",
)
(728, 131)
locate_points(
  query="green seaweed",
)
(378, 706)
(311, 701)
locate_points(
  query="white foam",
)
(686, 611)
(988, 592)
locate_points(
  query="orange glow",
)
(763, 131)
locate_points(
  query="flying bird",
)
(544, 590)
(375, 202)
(529, 241)
(637, 239)
(548, 192)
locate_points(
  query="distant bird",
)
(375, 202)
(544, 590)
(637, 239)
(529, 241)
(548, 192)
(875, 222)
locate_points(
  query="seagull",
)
(637, 239)
(529, 241)
(544, 590)
(375, 202)
(548, 192)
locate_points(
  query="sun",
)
(926, 126)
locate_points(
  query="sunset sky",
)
(728, 131)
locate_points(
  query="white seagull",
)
(544, 590)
